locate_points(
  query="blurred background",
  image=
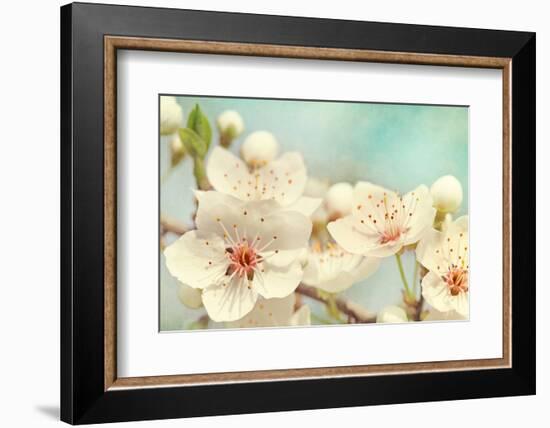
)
(397, 146)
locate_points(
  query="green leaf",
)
(193, 143)
(198, 122)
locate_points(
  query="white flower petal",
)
(436, 292)
(386, 250)
(229, 302)
(462, 223)
(369, 194)
(423, 213)
(262, 223)
(354, 237)
(268, 313)
(351, 274)
(435, 315)
(190, 297)
(312, 271)
(267, 229)
(214, 206)
(228, 174)
(197, 259)
(341, 282)
(439, 251)
(282, 258)
(283, 180)
(305, 205)
(366, 268)
(334, 270)
(280, 230)
(460, 304)
(392, 314)
(277, 282)
(344, 232)
(428, 253)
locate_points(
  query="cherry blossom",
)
(333, 269)
(274, 313)
(382, 221)
(240, 250)
(445, 255)
(282, 180)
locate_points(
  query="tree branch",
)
(355, 312)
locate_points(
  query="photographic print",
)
(284, 213)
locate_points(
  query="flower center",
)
(242, 260)
(457, 280)
(391, 234)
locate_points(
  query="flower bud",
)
(392, 314)
(171, 115)
(231, 125)
(447, 194)
(177, 150)
(189, 296)
(339, 200)
(259, 148)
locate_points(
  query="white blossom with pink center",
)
(382, 221)
(240, 251)
(333, 269)
(274, 313)
(445, 255)
(282, 180)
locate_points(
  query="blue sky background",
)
(394, 145)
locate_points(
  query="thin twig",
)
(403, 277)
(354, 311)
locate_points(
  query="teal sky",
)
(397, 146)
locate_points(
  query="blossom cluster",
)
(264, 228)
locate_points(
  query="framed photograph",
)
(275, 213)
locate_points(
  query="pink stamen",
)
(457, 280)
(243, 260)
(391, 234)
